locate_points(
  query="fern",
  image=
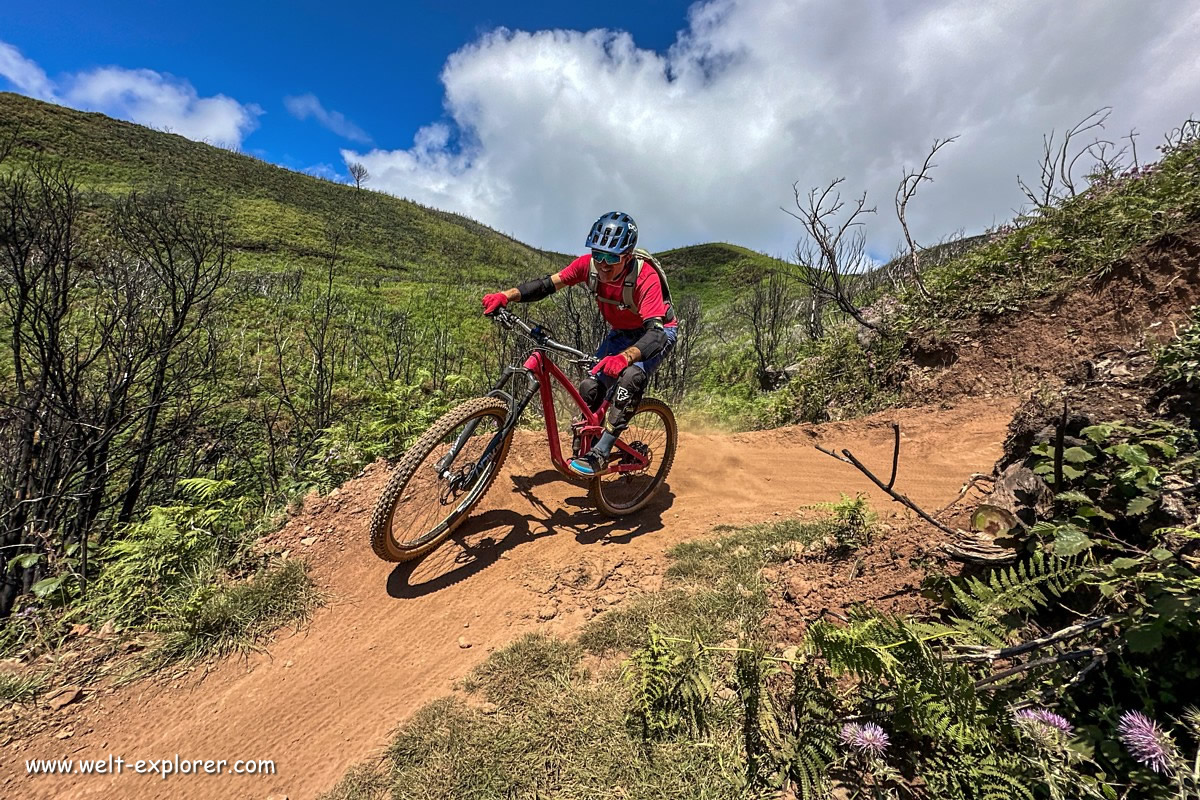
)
(670, 692)
(760, 728)
(975, 778)
(1020, 587)
(807, 747)
(863, 648)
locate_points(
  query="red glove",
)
(493, 302)
(612, 366)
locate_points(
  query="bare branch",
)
(831, 260)
(849, 458)
(359, 173)
(976, 653)
(909, 182)
(1057, 165)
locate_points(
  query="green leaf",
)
(1089, 512)
(1070, 541)
(1161, 554)
(1078, 455)
(1185, 533)
(24, 561)
(1073, 497)
(1166, 448)
(1097, 433)
(1072, 472)
(1132, 454)
(47, 586)
(1139, 505)
(1145, 638)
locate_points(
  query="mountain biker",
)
(640, 336)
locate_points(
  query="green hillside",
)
(716, 271)
(261, 333)
(278, 215)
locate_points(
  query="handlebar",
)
(541, 337)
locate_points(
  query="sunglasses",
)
(607, 258)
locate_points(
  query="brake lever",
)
(502, 316)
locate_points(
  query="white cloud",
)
(24, 74)
(550, 129)
(307, 105)
(143, 96)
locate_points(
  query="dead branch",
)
(849, 458)
(895, 455)
(1057, 166)
(966, 487)
(1059, 434)
(1132, 137)
(1074, 655)
(832, 259)
(359, 173)
(909, 182)
(978, 653)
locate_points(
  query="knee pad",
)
(592, 392)
(630, 387)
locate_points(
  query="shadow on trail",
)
(483, 539)
(588, 524)
(472, 548)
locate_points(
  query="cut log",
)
(978, 548)
(1018, 499)
(994, 521)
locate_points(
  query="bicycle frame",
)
(539, 371)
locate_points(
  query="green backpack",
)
(641, 259)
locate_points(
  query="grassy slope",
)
(280, 216)
(714, 272)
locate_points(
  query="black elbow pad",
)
(536, 289)
(653, 341)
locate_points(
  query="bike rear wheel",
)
(422, 505)
(652, 430)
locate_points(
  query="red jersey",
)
(647, 295)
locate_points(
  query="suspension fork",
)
(516, 408)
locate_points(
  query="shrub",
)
(1179, 360)
(221, 618)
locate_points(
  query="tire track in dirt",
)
(325, 698)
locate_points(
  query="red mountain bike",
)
(449, 469)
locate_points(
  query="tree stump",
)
(1018, 499)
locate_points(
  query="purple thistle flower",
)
(1042, 716)
(868, 739)
(1146, 742)
(1043, 726)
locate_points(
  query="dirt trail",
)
(389, 639)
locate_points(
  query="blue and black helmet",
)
(615, 233)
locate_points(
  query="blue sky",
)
(377, 63)
(702, 120)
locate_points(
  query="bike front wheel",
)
(425, 499)
(652, 432)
